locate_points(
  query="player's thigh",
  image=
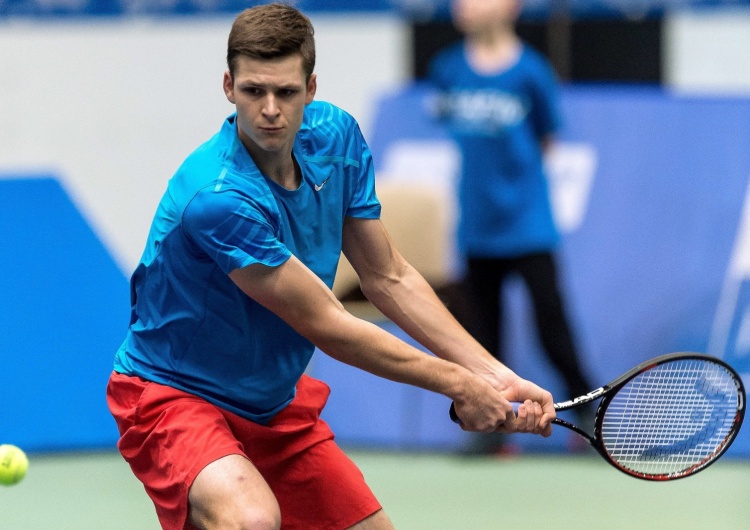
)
(321, 487)
(231, 493)
(377, 521)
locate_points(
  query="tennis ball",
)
(13, 464)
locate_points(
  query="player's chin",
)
(272, 141)
(272, 145)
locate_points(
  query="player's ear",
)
(228, 85)
(312, 87)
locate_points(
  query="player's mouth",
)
(271, 130)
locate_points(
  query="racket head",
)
(670, 417)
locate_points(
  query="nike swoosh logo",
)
(319, 187)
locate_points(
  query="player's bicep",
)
(369, 249)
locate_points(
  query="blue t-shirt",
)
(191, 327)
(498, 121)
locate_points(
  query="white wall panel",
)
(114, 106)
(708, 51)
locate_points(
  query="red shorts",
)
(169, 436)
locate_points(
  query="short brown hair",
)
(270, 32)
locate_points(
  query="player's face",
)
(473, 16)
(270, 97)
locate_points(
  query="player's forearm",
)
(366, 346)
(410, 302)
(370, 348)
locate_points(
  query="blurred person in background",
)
(233, 293)
(498, 97)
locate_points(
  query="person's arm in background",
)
(547, 143)
(405, 297)
(546, 114)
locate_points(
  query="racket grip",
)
(453, 415)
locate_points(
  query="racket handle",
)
(453, 415)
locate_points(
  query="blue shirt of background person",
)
(221, 213)
(499, 121)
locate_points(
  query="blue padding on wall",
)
(648, 263)
(63, 314)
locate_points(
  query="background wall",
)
(114, 105)
(708, 52)
(96, 114)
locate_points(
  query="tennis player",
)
(232, 294)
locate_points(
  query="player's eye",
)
(252, 91)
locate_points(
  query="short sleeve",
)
(364, 202)
(233, 230)
(546, 106)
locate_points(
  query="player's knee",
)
(252, 517)
(260, 519)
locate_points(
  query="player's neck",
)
(493, 51)
(283, 171)
(279, 166)
(286, 174)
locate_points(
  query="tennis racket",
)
(665, 419)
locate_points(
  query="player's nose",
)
(270, 106)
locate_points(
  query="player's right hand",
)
(481, 408)
(484, 409)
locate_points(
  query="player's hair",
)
(272, 31)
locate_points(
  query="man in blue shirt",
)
(499, 99)
(233, 293)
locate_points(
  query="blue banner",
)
(417, 9)
(440, 9)
(172, 7)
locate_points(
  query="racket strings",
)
(671, 418)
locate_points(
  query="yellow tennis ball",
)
(13, 464)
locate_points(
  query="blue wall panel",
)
(63, 314)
